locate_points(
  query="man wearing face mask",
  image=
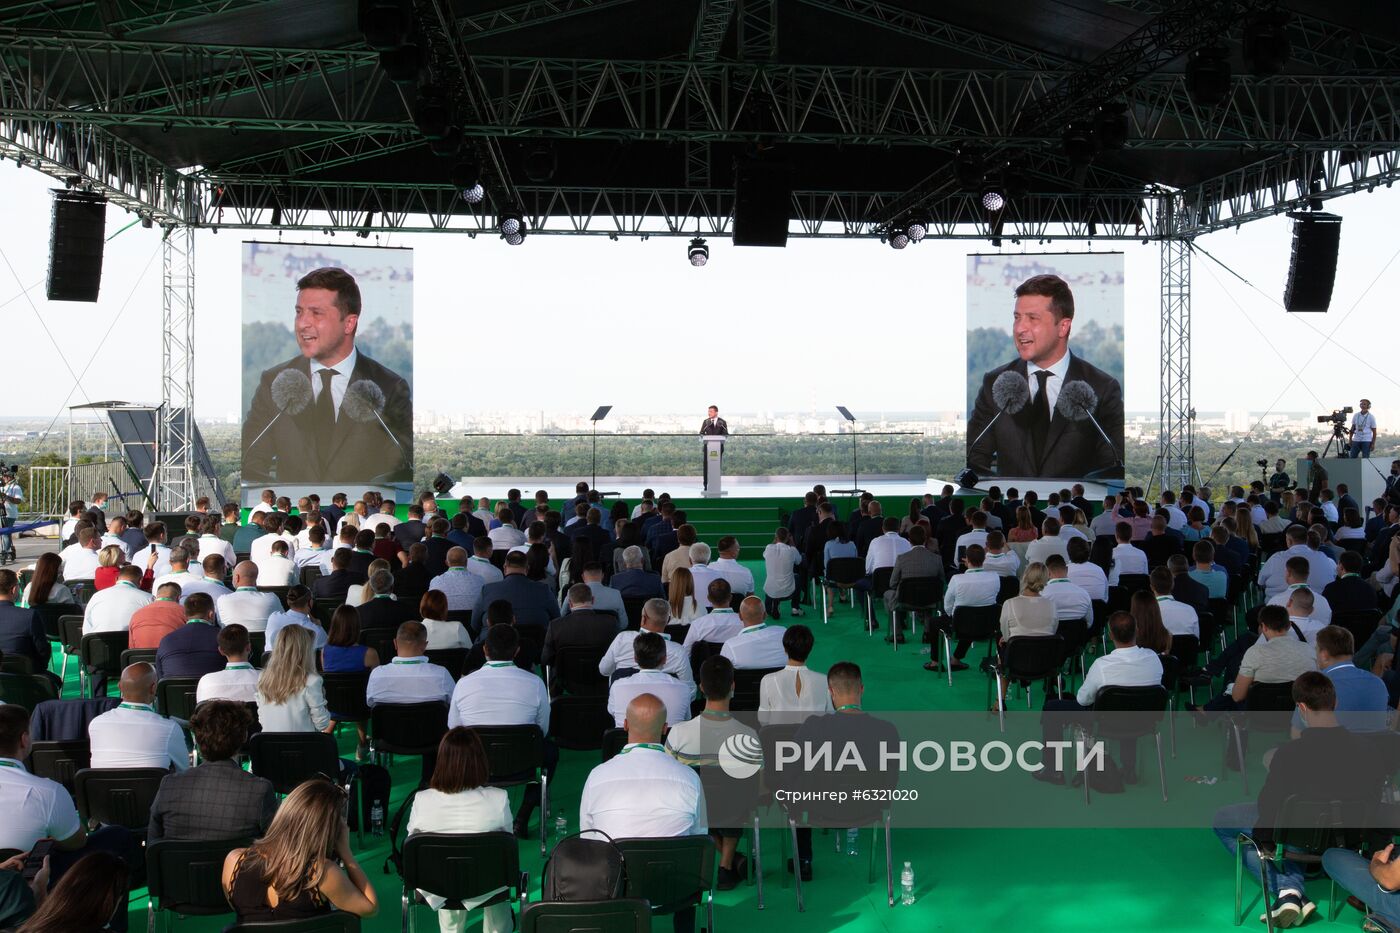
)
(1037, 440)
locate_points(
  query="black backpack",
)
(584, 869)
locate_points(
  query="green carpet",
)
(965, 879)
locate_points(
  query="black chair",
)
(1007, 588)
(279, 591)
(323, 610)
(100, 653)
(1362, 623)
(531, 642)
(578, 722)
(175, 697)
(345, 695)
(1134, 582)
(407, 728)
(17, 664)
(915, 595)
(1101, 551)
(574, 671)
(633, 605)
(309, 575)
(746, 684)
(82, 590)
(59, 761)
(1027, 659)
(1268, 709)
(49, 616)
(614, 739)
(879, 585)
(381, 639)
(1303, 830)
(287, 758)
(732, 802)
(842, 573)
(1272, 543)
(454, 659)
(672, 874)
(461, 866)
(1127, 714)
(464, 616)
(337, 922)
(136, 655)
(183, 878)
(623, 915)
(257, 646)
(70, 629)
(27, 690)
(700, 652)
(119, 796)
(515, 756)
(969, 623)
(1220, 610)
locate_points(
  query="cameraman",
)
(1279, 482)
(10, 498)
(1363, 432)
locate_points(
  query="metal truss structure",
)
(174, 481)
(1176, 450)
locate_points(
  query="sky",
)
(804, 328)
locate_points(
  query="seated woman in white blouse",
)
(442, 631)
(290, 693)
(457, 800)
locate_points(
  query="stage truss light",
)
(466, 178)
(1081, 143)
(1111, 126)
(699, 252)
(899, 239)
(993, 199)
(967, 169)
(1208, 75)
(511, 223)
(917, 227)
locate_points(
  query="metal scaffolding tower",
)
(1176, 451)
(175, 473)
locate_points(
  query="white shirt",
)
(35, 808)
(968, 539)
(303, 712)
(505, 537)
(110, 610)
(499, 694)
(643, 792)
(1105, 523)
(1071, 602)
(280, 620)
(1005, 564)
(189, 583)
(134, 736)
(780, 701)
(483, 568)
(309, 556)
(620, 656)
(670, 691)
(162, 565)
(1329, 512)
(756, 647)
(261, 549)
(409, 680)
(238, 681)
(275, 570)
(1053, 385)
(885, 549)
(262, 507)
(779, 562)
(975, 587)
(717, 625)
(1178, 618)
(1176, 519)
(1322, 609)
(479, 810)
(182, 578)
(379, 518)
(249, 607)
(461, 587)
(79, 563)
(339, 382)
(1363, 426)
(446, 634)
(1309, 626)
(110, 539)
(1121, 667)
(1042, 548)
(740, 577)
(1069, 532)
(213, 544)
(702, 575)
(1090, 577)
(1127, 559)
(1321, 570)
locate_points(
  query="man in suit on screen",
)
(1039, 439)
(349, 420)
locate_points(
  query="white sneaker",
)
(797, 611)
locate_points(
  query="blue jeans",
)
(1360, 450)
(1240, 818)
(8, 545)
(1353, 873)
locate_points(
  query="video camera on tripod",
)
(1338, 421)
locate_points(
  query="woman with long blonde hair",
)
(292, 872)
(362, 593)
(681, 596)
(291, 697)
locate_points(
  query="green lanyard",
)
(8, 763)
(500, 664)
(754, 628)
(413, 661)
(238, 666)
(141, 706)
(651, 745)
(847, 706)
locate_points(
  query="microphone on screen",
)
(363, 402)
(1010, 393)
(291, 395)
(1077, 402)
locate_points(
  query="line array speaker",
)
(76, 238)
(1313, 265)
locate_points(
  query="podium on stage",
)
(714, 460)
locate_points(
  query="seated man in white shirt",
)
(261, 548)
(315, 553)
(461, 587)
(410, 677)
(1302, 613)
(792, 694)
(1126, 557)
(211, 583)
(887, 548)
(116, 528)
(721, 623)
(1068, 532)
(179, 569)
(298, 612)
(1106, 522)
(649, 649)
(644, 792)
(502, 694)
(134, 735)
(702, 573)
(1071, 602)
(1086, 575)
(1000, 559)
(80, 558)
(976, 533)
(1049, 542)
(277, 568)
(155, 536)
(655, 614)
(247, 605)
(110, 610)
(480, 561)
(1177, 617)
(238, 681)
(211, 543)
(1297, 575)
(727, 565)
(975, 586)
(759, 646)
(385, 516)
(1126, 665)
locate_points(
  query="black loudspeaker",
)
(762, 203)
(76, 239)
(1313, 266)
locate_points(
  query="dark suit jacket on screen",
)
(1072, 449)
(298, 449)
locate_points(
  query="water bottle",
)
(376, 819)
(853, 842)
(561, 825)
(906, 885)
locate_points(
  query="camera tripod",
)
(1339, 437)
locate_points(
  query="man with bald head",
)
(133, 735)
(247, 605)
(643, 791)
(759, 644)
(461, 587)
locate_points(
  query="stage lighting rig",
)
(511, 223)
(1208, 75)
(967, 169)
(1111, 126)
(898, 239)
(917, 227)
(1267, 47)
(1081, 143)
(993, 199)
(466, 178)
(699, 252)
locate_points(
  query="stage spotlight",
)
(993, 199)
(1208, 75)
(540, 164)
(899, 239)
(442, 484)
(146, 221)
(1080, 143)
(1111, 126)
(514, 239)
(699, 252)
(466, 178)
(1267, 48)
(917, 227)
(511, 223)
(474, 194)
(998, 225)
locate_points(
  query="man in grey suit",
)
(917, 562)
(218, 799)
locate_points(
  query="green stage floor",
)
(1046, 880)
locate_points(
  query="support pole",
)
(174, 476)
(1176, 443)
